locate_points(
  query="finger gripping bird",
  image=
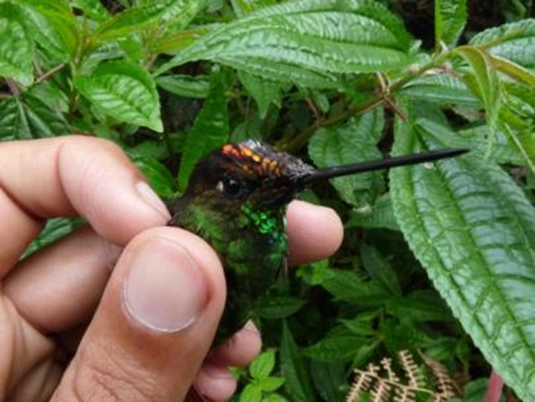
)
(237, 199)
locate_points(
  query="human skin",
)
(77, 319)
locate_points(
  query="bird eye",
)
(232, 188)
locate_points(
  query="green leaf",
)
(262, 365)
(210, 130)
(472, 228)
(28, 117)
(349, 287)
(123, 91)
(16, 47)
(421, 306)
(337, 347)
(441, 89)
(251, 393)
(60, 34)
(379, 268)
(298, 381)
(178, 14)
(131, 20)
(306, 42)
(92, 9)
(450, 19)
(159, 177)
(185, 85)
(276, 307)
(271, 384)
(329, 378)
(380, 215)
(264, 91)
(55, 229)
(514, 41)
(488, 85)
(351, 143)
(274, 398)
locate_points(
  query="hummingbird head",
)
(249, 171)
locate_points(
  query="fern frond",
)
(387, 366)
(440, 373)
(412, 371)
(381, 391)
(383, 384)
(360, 384)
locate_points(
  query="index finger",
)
(69, 176)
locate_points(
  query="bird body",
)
(237, 199)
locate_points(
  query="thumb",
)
(155, 323)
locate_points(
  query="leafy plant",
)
(332, 81)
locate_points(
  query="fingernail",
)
(151, 198)
(165, 289)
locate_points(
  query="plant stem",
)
(50, 73)
(302, 138)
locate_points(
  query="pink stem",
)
(494, 391)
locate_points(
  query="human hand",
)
(75, 323)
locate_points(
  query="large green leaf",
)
(473, 229)
(210, 130)
(514, 41)
(123, 91)
(16, 46)
(351, 143)
(450, 19)
(28, 117)
(306, 41)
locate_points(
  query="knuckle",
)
(103, 378)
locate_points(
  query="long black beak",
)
(382, 164)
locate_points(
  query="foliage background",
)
(332, 82)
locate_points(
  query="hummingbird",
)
(237, 199)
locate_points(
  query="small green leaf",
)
(159, 177)
(245, 7)
(92, 9)
(348, 286)
(274, 398)
(123, 91)
(488, 86)
(271, 384)
(264, 91)
(419, 306)
(450, 19)
(251, 393)
(210, 130)
(276, 307)
(306, 42)
(262, 365)
(380, 215)
(298, 381)
(354, 142)
(61, 26)
(339, 347)
(514, 41)
(329, 378)
(441, 89)
(131, 20)
(16, 46)
(379, 268)
(185, 85)
(472, 228)
(55, 229)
